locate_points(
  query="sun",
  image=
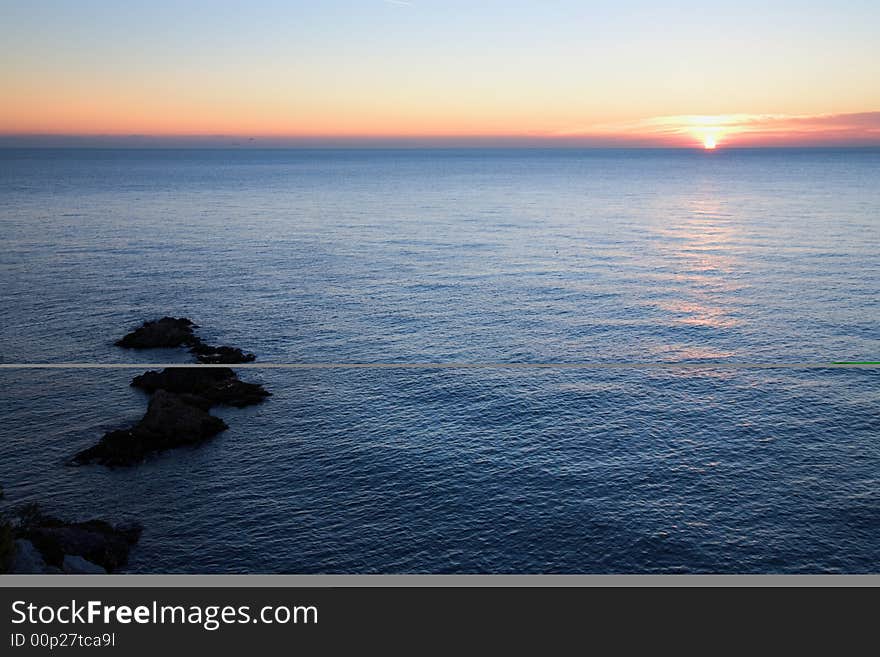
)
(710, 131)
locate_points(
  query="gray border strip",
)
(348, 581)
(447, 366)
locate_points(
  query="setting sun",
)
(710, 130)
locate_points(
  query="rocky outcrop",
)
(219, 385)
(179, 332)
(177, 415)
(178, 411)
(166, 332)
(46, 544)
(171, 420)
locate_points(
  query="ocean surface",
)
(466, 256)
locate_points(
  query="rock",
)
(171, 420)
(95, 541)
(181, 417)
(178, 412)
(165, 332)
(219, 385)
(220, 355)
(178, 332)
(76, 565)
(26, 559)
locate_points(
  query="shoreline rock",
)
(45, 544)
(172, 420)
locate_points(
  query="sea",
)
(478, 259)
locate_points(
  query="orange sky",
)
(640, 73)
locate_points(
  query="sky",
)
(446, 72)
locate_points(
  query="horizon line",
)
(185, 145)
(686, 131)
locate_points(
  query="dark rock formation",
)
(178, 411)
(95, 542)
(165, 332)
(171, 420)
(219, 385)
(178, 332)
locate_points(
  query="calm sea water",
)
(465, 256)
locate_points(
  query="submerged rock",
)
(171, 420)
(219, 385)
(220, 355)
(165, 332)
